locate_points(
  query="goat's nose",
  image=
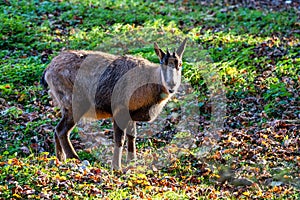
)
(171, 90)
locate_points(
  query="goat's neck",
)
(161, 77)
(163, 82)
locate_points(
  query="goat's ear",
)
(180, 49)
(160, 53)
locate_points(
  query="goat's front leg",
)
(119, 138)
(64, 147)
(131, 136)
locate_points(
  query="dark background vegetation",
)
(253, 46)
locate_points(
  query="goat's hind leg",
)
(58, 150)
(64, 147)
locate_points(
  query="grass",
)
(250, 54)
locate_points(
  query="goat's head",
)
(170, 66)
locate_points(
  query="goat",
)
(98, 85)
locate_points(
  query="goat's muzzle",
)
(171, 91)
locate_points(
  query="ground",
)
(231, 132)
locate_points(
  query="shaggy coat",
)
(99, 85)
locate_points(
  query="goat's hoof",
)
(129, 169)
(74, 160)
(117, 172)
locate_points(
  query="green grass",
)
(251, 54)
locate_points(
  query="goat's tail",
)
(43, 82)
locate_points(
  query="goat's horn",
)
(156, 45)
(180, 49)
(168, 52)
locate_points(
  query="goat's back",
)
(83, 82)
(74, 71)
